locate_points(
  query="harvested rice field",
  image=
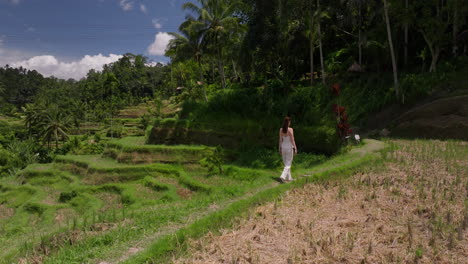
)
(411, 206)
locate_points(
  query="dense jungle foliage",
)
(244, 64)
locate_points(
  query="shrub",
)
(116, 130)
(67, 196)
(213, 159)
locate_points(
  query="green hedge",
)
(322, 139)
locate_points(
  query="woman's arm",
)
(293, 141)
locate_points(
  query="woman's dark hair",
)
(286, 124)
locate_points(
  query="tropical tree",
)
(313, 32)
(359, 15)
(189, 45)
(390, 44)
(218, 17)
(319, 32)
(55, 126)
(34, 117)
(432, 21)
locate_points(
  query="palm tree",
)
(406, 25)
(189, 44)
(313, 33)
(2, 88)
(355, 8)
(319, 31)
(218, 19)
(56, 126)
(34, 116)
(390, 43)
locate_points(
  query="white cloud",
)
(157, 23)
(158, 47)
(48, 65)
(154, 64)
(126, 5)
(143, 9)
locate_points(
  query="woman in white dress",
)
(287, 148)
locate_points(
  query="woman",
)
(287, 148)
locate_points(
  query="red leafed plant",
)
(344, 128)
(336, 89)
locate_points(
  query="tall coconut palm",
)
(319, 32)
(56, 126)
(34, 116)
(406, 26)
(390, 43)
(218, 18)
(189, 44)
(311, 32)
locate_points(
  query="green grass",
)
(134, 150)
(140, 204)
(50, 200)
(138, 144)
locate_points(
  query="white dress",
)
(287, 152)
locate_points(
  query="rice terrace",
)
(233, 131)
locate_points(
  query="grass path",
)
(370, 146)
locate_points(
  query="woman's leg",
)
(287, 160)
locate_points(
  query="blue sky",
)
(66, 38)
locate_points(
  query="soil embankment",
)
(444, 119)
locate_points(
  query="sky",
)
(67, 38)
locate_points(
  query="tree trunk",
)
(360, 47)
(360, 34)
(312, 40)
(202, 81)
(236, 74)
(435, 57)
(406, 36)
(435, 52)
(221, 68)
(320, 46)
(56, 140)
(455, 29)
(213, 67)
(311, 60)
(392, 52)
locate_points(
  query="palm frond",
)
(192, 7)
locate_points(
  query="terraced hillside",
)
(79, 198)
(107, 208)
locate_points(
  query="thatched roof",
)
(355, 68)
